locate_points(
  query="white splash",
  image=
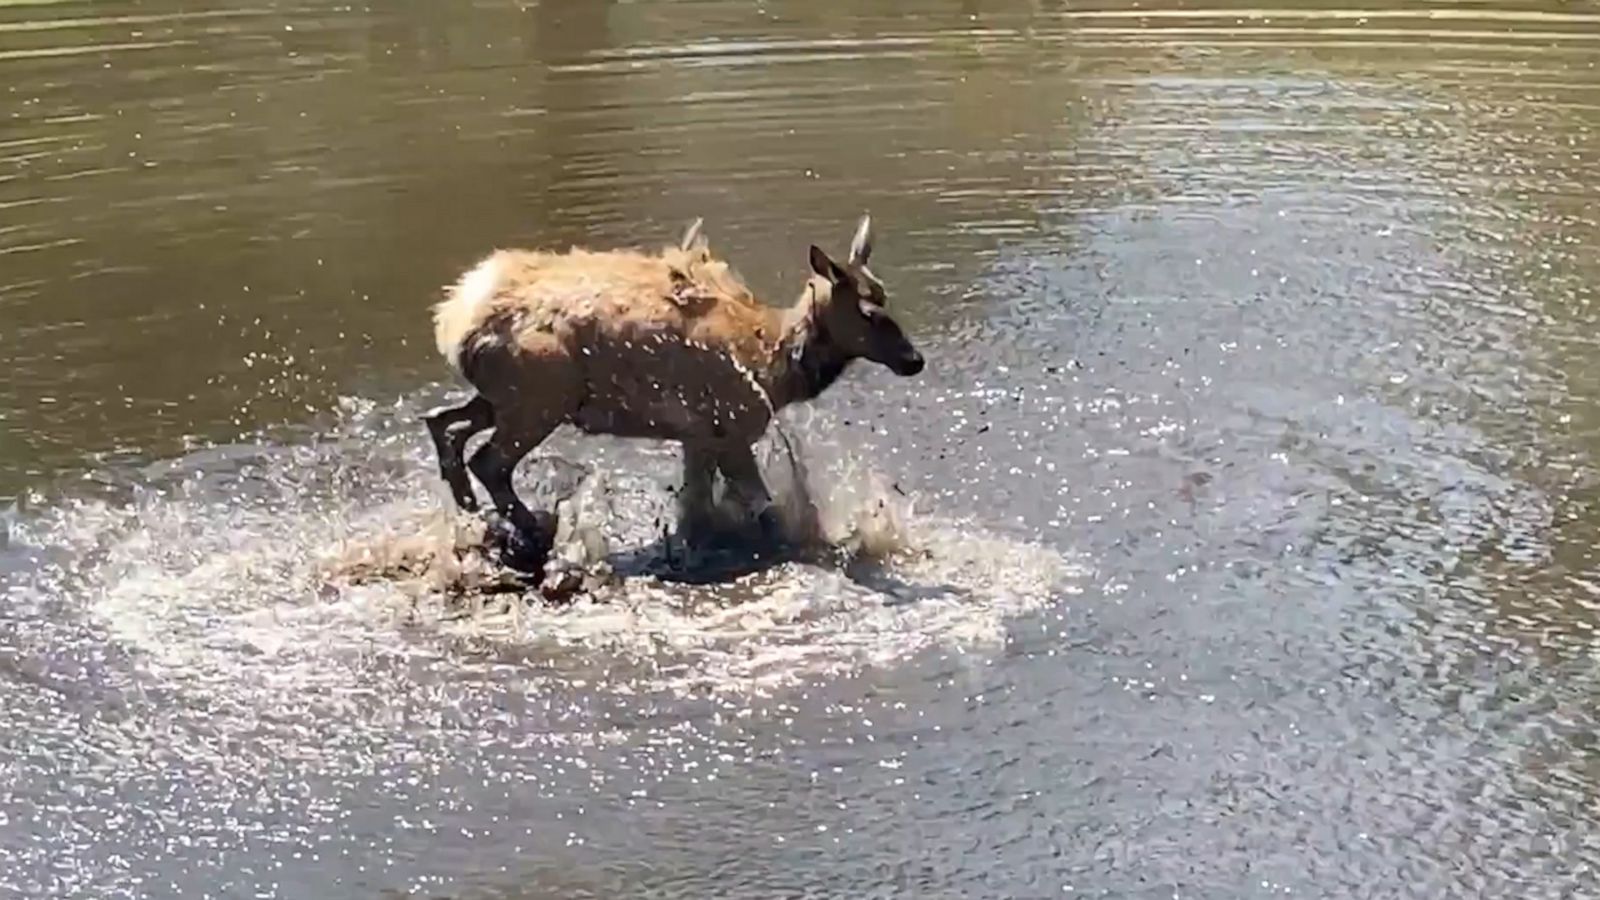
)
(343, 551)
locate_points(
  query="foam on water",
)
(276, 562)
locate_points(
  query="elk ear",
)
(861, 245)
(827, 268)
(692, 236)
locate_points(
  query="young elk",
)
(670, 345)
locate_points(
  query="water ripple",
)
(1255, 456)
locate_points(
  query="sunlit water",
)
(1235, 543)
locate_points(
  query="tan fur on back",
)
(707, 302)
(669, 344)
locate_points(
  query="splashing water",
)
(276, 561)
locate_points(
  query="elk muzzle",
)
(909, 363)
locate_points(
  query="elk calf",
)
(670, 345)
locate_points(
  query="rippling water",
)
(1242, 521)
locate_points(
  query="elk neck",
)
(806, 361)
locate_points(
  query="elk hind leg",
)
(738, 466)
(497, 460)
(534, 387)
(532, 534)
(451, 427)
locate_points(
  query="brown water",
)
(1245, 511)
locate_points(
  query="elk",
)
(669, 345)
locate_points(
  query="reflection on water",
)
(1244, 515)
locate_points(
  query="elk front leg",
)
(694, 500)
(451, 427)
(738, 465)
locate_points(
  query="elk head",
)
(851, 306)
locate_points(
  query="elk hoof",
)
(461, 492)
(697, 531)
(562, 585)
(770, 524)
(685, 549)
(516, 548)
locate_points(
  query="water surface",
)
(1246, 508)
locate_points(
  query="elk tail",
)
(464, 319)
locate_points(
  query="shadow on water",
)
(899, 591)
(730, 555)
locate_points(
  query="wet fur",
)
(669, 345)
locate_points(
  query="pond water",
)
(1241, 530)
